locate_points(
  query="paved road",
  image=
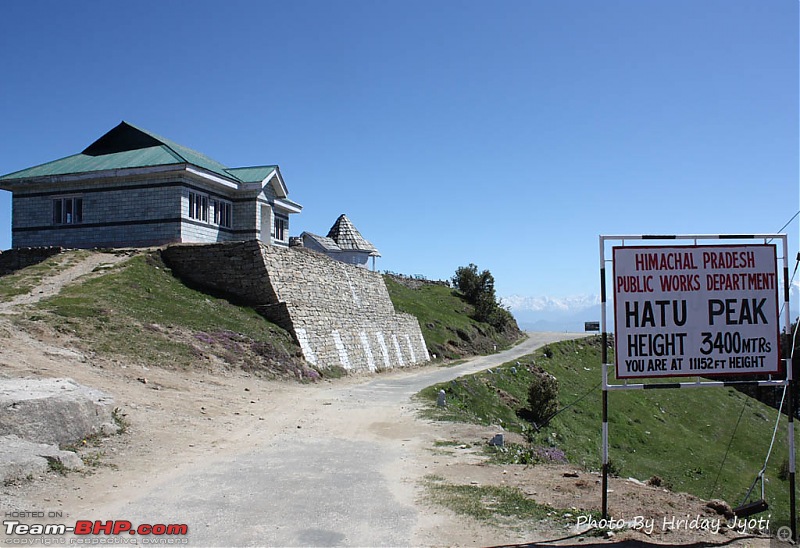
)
(340, 472)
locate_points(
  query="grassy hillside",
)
(446, 319)
(139, 311)
(681, 436)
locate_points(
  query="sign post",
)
(693, 310)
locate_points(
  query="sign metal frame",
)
(787, 380)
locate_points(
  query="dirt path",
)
(52, 285)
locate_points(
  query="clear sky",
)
(509, 134)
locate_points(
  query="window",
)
(198, 206)
(210, 210)
(223, 213)
(280, 228)
(67, 211)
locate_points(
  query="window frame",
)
(280, 226)
(222, 213)
(210, 210)
(67, 210)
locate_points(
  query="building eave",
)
(288, 205)
(16, 185)
(210, 176)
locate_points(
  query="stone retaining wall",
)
(340, 315)
(16, 259)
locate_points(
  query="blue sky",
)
(509, 134)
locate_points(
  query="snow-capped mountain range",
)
(553, 313)
(563, 304)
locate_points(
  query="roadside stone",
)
(52, 411)
(21, 458)
(720, 507)
(498, 440)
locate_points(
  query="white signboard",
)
(696, 310)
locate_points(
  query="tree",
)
(478, 290)
(474, 286)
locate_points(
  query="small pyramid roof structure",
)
(347, 237)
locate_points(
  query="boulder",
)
(20, 458)
(53, 411)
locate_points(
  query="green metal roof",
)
(254, 174)
(82, 163)
(186, 154)
(127, 146)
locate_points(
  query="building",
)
(133, 188)
(344, 243)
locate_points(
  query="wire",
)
(724, 458)
(777, 421)
(788, 222)
(554, 415)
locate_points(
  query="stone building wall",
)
(135, 212)
(340, 315)
(138, 211)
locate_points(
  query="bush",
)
(474, 286)
(478, 290)
(542, 397)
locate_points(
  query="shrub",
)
(542, 397)
(478, 290)
(473, 285)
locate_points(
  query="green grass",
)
(492, 504)
(139, 310)
(445, 320)
(679, 435)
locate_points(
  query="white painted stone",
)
(424, 347)
(367, 350)
(337, 342)
(305, 346)
(384, 350)
(410, 348)
(398, 351)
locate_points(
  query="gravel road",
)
(338, 466)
